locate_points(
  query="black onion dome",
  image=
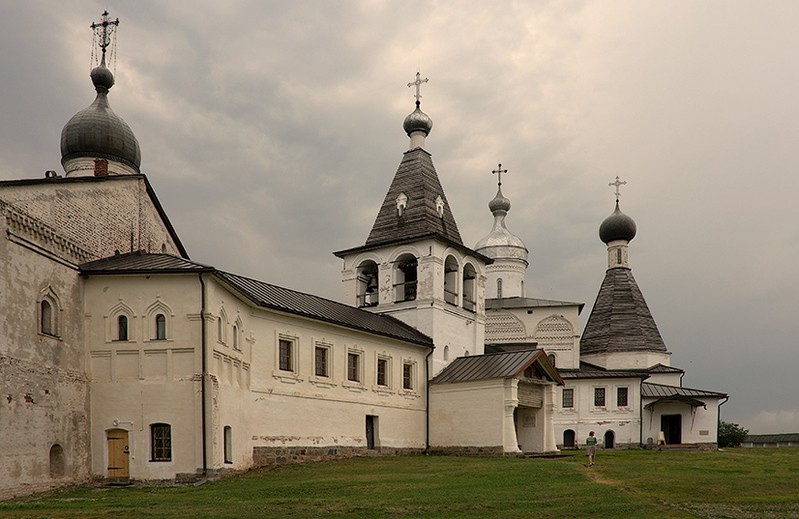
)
(418, 121)
(617, 226)
(97, 131)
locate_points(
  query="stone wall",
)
(270, 456)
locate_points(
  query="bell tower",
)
(414, 265)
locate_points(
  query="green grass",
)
(731, 483)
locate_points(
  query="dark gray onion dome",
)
(499, 203)
(617, 226)
(418, 121)
(97, 132)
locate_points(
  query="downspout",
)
(427, 401)
(641, 413)
(203, 355)
(718, 420)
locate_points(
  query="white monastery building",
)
(148, 365)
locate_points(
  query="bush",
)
(731, 434)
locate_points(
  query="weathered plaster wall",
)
(470, 414)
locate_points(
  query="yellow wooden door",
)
(118, 453)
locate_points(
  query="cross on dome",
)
(418, 84)
(618, 183)
(103, 30)
(498, 172)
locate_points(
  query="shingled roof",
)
(416, 177)
(262, 294)
(497, 365)
(620, 320)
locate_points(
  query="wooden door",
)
(370, 432)
(118, 454)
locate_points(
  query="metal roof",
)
(141, 262)
(620, 320)
(661, 368)
(650, 390)
(527, 302)
(262, 294)
(772, 438)
(318, 308)
(588, 370)
(496, 365)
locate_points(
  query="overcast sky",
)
(271, 132)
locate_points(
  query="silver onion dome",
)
(97, 132)
(617, 226)
(418, 121)
(500, 243)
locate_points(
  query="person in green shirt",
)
(590, 447)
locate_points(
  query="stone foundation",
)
(271, 456)
(471, 451)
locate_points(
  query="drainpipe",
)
(203, 355)
(718, 419)
(641, 413)
(427, 401)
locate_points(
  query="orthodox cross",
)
(498, 172)
(418, 83)
(618, 184)
(103, 30)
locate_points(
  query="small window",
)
(220, 329)
(599, 397)
(382, 372)
(618, 256)
(161, 442)
(568, 398)
(122, 328)
(286, 360)
(622, 396)
(48, 312)
(407, 375)
(160, 327)
(322, 361)
(354, 367)
(446, 353)
(228, 444)
(551, 358)
(235, 337)
(499, 288)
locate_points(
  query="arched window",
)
(46, 318)
(367, 290)
(446, 353)
(406, 278)
(469, 278)
(451, 280)
(122, 328)
(552, 358)
(568, 439)
(160, 327)
(220, 329)
(466, 354)
(57, 461)
(228, 444)
(235, 337)
(499, 288)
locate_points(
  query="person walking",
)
(590, 447)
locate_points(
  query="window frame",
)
(564, 400)
(600, 390)
(161, 332)
(325, 349)
(355, 366)
(119, 335)
(408, 375)
(286, 354)
(384, 373)
(626, 391)
(160, 442)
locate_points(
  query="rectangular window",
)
(568, 398)
(321, 368)
(621, 396)
(382, 372)
(599, 397)
(161, 442)
(354, 367)
(286, 360)
(407, 376)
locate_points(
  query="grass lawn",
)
(731, 483)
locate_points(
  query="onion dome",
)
(97, 132)
(617, 226)
(500, 243)
(418, 121)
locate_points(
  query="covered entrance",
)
(671, 425)
(118, 454)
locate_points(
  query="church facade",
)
(122, 358)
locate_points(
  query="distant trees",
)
(731, 434)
